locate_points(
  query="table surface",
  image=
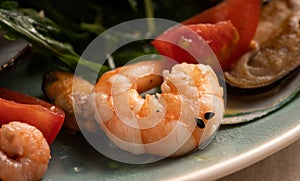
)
(283, 165)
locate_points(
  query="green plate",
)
(234, 147)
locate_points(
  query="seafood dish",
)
(172, 93)
(266, 77)
(184, 116)
(275, 48)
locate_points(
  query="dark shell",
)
(248, 107)
(276, 47)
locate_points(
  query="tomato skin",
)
(222, 38)
(46, 117)
(244, 15)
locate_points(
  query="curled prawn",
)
(24, 152)
(184, 116)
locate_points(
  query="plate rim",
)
(246, 158)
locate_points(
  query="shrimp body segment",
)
(183, 116)
(24, 152)
(57, 86)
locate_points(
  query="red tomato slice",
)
(244, 15)
(222, 38)
(46, 117)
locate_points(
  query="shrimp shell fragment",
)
(183, 117)
(24, 153)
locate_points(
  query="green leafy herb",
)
(65, 30)
(35, 32)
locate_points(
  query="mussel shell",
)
(267, 77)
(276, 51)
(244, 107)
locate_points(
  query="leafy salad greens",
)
(66, 27)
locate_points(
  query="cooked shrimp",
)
(183, 117)
(24, 152)
(57, 86)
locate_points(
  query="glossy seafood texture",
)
(276, 47)
(24, 152)
(58, 87)
(184, 116)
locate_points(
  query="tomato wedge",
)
(222, 37)
(46, 117)
(244, 15)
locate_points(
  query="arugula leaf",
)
(37, 32)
